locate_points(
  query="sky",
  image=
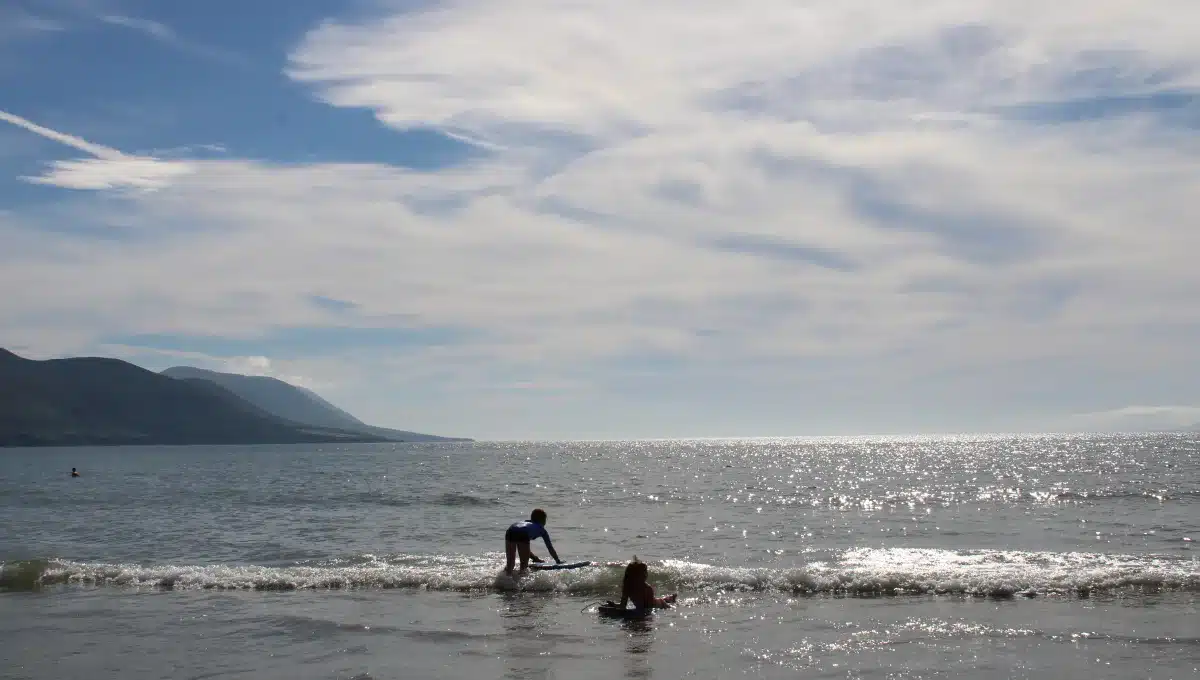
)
(543, 219)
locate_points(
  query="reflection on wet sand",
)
(638, 644)
(529, 645)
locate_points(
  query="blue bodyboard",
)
(571, 565)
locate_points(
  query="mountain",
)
(296, 404)
(274, 396)
(96, 401)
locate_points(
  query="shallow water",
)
(997, 557)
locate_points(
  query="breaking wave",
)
(896, 571)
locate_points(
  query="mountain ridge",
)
(297, 404)
(85, 401)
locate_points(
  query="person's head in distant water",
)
(538, 516)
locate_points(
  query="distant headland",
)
(92, 401)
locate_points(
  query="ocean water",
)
(922, 557)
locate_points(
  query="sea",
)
(965, 556)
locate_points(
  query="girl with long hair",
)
(635, 588)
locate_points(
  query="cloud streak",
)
(110, 169)
(102, 152)
(154, 29)
(168, 36)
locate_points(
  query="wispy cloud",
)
(16, 23)
(168, 36)
(154, 29)
(35, 24)
(110, 168)
(102, 152)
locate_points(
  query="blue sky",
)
(510, 219)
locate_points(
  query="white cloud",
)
(744, 188)
(263, 366)
(109, 169)
(832, 88)
(130, 172)
(614, 69)
(158, 358)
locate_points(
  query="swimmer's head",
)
(636, 573)
(538, 516)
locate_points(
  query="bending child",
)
(519, 536)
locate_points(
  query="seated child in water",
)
(636, 589)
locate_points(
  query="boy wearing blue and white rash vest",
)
(519, 536)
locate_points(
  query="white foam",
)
(860, 571)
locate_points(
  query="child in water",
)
(636, 589)
(518, 537)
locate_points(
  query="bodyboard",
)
(571, 565)
(614, 610)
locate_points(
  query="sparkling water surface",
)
(972, 556)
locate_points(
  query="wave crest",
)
(855, 572)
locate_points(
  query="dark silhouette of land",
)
(90, 401)
(297, 404)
